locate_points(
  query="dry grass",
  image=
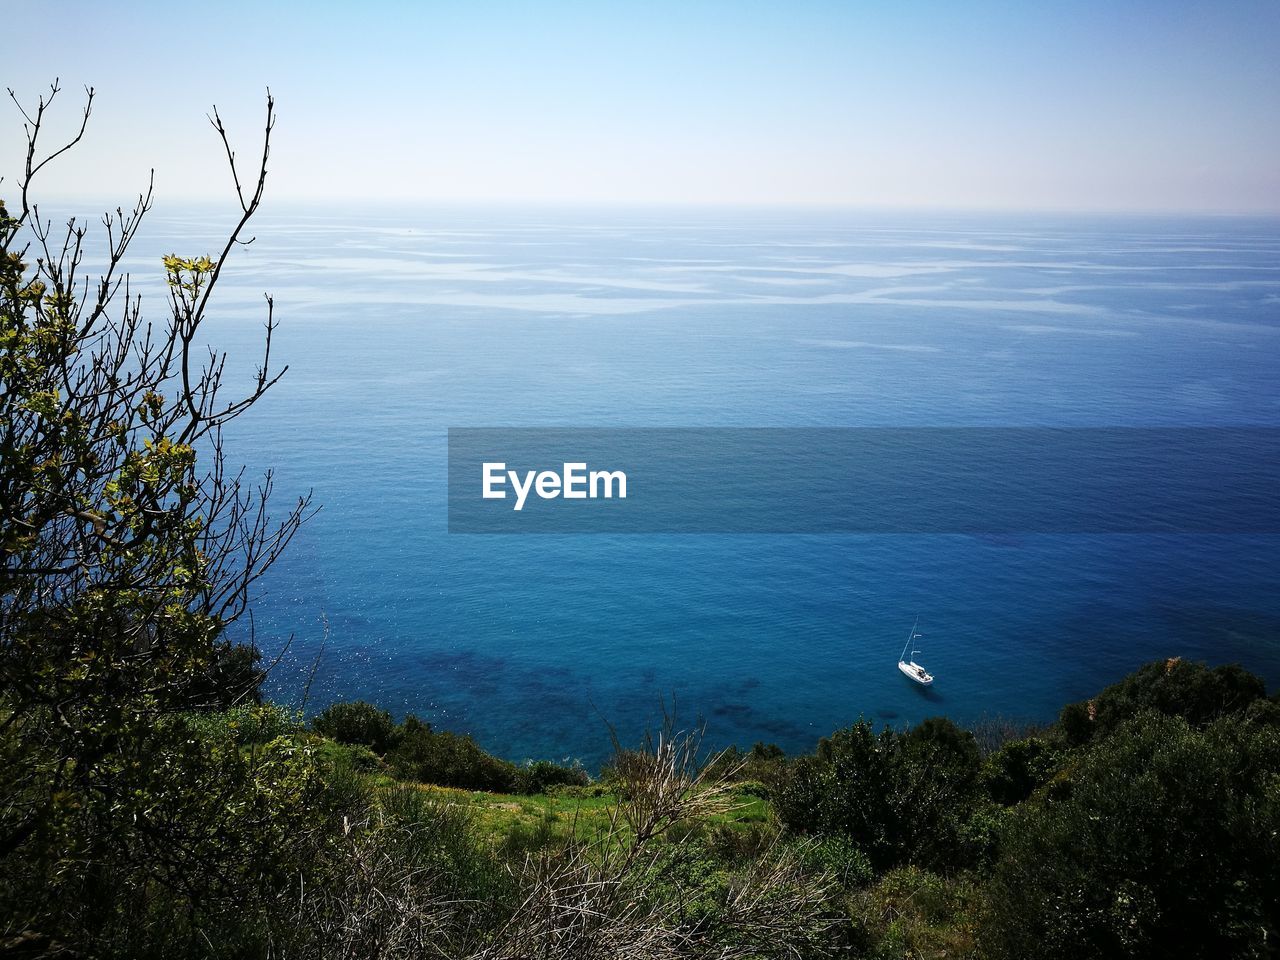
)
(615, 887)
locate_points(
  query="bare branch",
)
(34, 126)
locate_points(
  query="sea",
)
(398, 323)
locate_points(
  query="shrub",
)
(448, 760)
(839, 857)
(944, 742)
(246, 724)
(763, 762)
(1176, 687)
(978, 835)
(233, 676)
(358, 723)
(910, 912)
(538, 775)
(1161, 841)
(753, 788)
(198, 846)
(352, 756)
(1011, 773)
(650, 887)
(900, 797)
(741, 842)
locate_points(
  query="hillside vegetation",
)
(1144, 823)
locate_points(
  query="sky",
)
(1169, 107)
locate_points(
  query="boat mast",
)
(911, 636)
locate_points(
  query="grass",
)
(522, 822)
(565, 811)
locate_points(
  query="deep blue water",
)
(400, 324)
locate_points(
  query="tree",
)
(125, 554)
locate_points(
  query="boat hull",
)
(914, 672)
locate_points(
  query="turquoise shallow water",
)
(400, 324)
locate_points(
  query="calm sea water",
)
(400, 324)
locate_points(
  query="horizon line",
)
(779, 206)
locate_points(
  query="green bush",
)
(940, 742)
(448, 760)
(741, 842)
(414, 751)
(359, 760)
(840, 857)
(900, 797)
(763, 763)
(1013, 772)
(246, 724)
(199, 838)
(537, 776)
(753, 788)
(406, 876)
(233, 676)
(978, 835)
(1176, 687)
(909, 912)
(358, 723)
(1162, 840)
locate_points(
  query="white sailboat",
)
(909, 667)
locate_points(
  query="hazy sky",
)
(1164, 106)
